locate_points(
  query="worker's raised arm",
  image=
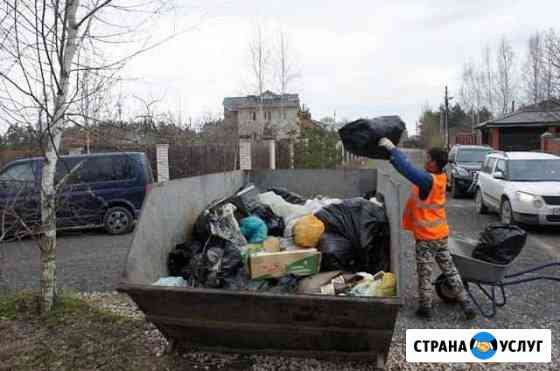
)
(418, 177)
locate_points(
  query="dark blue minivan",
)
(97, 190)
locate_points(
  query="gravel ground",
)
(85, 261)
(93, 262)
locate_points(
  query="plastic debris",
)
(171, 281)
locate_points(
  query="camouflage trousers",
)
(426, 251)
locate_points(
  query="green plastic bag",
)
(254, 229)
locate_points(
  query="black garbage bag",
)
(360, 137)
(218, 221)
(336, 253)
(239, 281)
(274, 222)
(245, 199)
(179, 259)
(288, 196)
(500, 243)
(218, 262)
(365, 226)
(285, 285)
(370, 194)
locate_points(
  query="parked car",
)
(97, 190)
(524, 187)
(464, 163)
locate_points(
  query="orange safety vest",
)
(426, 218)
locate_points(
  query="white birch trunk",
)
(47, 241)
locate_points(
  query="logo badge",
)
(483, 345)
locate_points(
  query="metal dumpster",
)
(300, 325)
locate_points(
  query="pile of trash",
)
(278, 241)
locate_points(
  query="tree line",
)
(498, 82)
(504, 78)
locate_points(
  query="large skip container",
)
(300, 325)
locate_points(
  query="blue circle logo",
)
(484, 345)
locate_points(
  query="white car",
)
(524, 187)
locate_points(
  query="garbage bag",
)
(254, 229)
(336, 253)
(220, 222)
(239, 281)
(288, 196)
(219, 260)
(381, 284)
(360, 137)
(317, 204)
(285, 285)
(281, 207)
(308, 230)
(370, 194)
(366, 287)
(179, 258)
(289, 230)
(500, 243)
(274, 223)
(365, 226)
(245, 200)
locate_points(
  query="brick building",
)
(266, 116)
(525, 129)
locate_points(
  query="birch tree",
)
(259, 52)
(489, 80)
(505, 75)
(285, 71)
(551, 65)
(533, 70)
(41, 44)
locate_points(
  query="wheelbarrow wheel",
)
(444, 290)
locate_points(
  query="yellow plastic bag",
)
(387, 285)
(308, 230)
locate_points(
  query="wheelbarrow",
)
(491, 279)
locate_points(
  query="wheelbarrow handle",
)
(532, 270)
(529, 279)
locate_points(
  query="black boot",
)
(468, 309)
(424, 312)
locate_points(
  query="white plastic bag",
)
(317, 204)
(281, 207)
(224, 225)
(366, 287)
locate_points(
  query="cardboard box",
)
(278, 264)
(271, 244)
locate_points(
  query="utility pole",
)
(446, 118)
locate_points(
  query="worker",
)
(424, 216)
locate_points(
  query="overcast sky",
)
(358, 58)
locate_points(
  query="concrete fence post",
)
(162, 161)
(292, 160)
(272, 153)
(245, 154)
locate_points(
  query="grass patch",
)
(73, 336)
(15, 304)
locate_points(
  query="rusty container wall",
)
(309, 325)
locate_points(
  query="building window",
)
(254, 116)
(268, 115)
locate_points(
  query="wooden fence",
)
(9, 155)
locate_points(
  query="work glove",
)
(386, 143)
